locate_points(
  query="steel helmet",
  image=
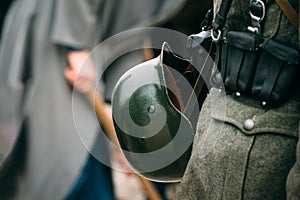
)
(154, 134)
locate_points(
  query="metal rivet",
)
(151, 109)
(248, 124)
(142, 139)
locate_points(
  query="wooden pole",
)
(106, 121)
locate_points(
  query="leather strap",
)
(289, 12)
(220, 18)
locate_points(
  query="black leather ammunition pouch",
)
(262, 69)
(276, 72)
(240, 52)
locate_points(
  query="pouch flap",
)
(281, 51)
(283, 120)
(242, 40)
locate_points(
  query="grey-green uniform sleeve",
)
(75, 22)
(293, 180)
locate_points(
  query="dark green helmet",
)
(154, 134)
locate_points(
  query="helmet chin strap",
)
(200, 83)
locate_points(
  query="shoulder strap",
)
(289, 12)
(220, 20)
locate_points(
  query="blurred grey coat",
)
(49, 154)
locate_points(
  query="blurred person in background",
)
(40, 39)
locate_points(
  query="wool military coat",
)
(242, 149)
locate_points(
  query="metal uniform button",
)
(238, 94)
(151, 109)
(249, 124)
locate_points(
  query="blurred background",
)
(43, 44)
